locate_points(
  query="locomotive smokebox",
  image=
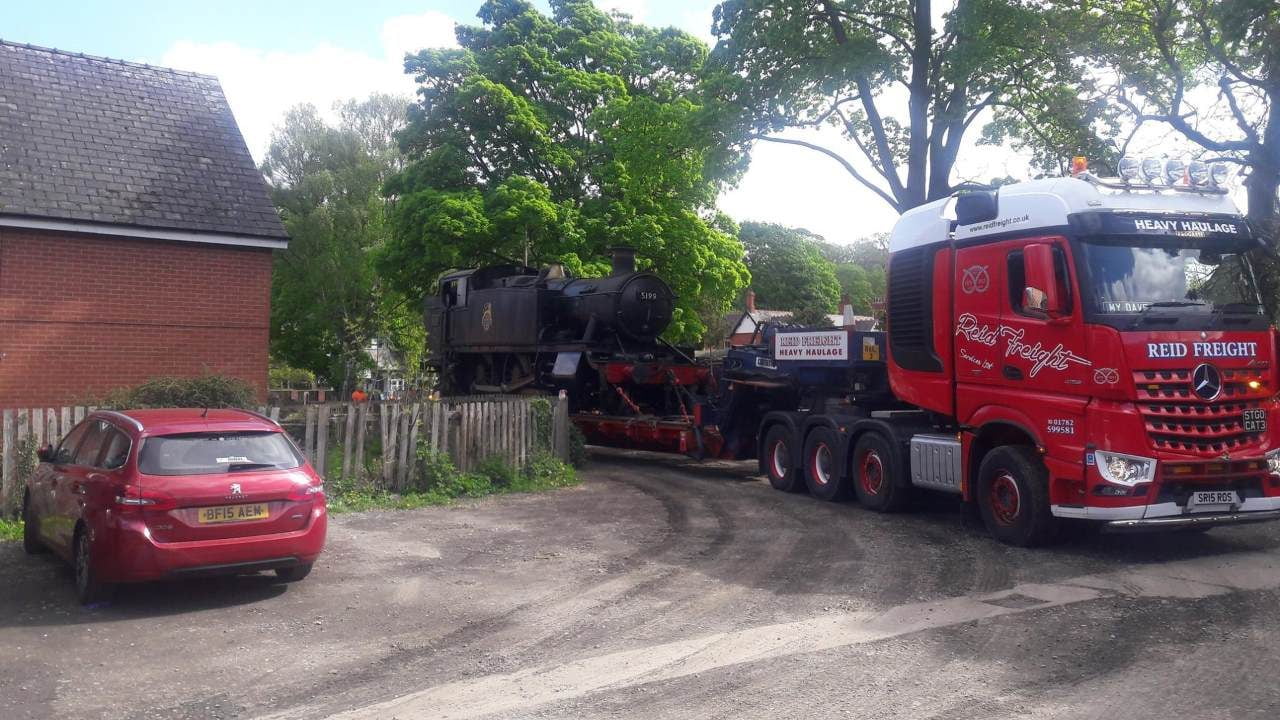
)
(624, 261)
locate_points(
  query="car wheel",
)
(1013, 497)
(778, 460)
(294, 573)
(877, 480)
(89, 589)
(821, 469)
(30, 530)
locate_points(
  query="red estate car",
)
(150, 494)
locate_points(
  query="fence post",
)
(407, 419)
(347, 439)
(363, 409)
(309, 434)
(560, 427)
(322, 439)
(37, 426)
(8, 463)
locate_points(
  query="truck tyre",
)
(1013, 497)
(821, 468)
(779, 460)
(877, 480)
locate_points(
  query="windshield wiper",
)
(1240, 307)
(1164, 304)
(237, 467)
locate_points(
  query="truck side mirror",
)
(1041, 292)
(45, 454)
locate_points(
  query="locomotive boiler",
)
(514, 329)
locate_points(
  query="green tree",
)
(327, 300)
(1210, 71)
(551, 138)
(788, 270)
(846, 63)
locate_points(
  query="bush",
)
(205, 391)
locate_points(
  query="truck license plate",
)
(1207, 500)
(1255, 420)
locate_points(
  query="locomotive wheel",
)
(1013, 497)
(778, 460)
(877, 479)
(821, 470)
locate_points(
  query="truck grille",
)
(1179, 479)
(1179, 420)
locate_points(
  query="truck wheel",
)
(877, 479)
(1013, 497)
(778, 460)
(821, 469)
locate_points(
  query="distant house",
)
(136, 233)
(744, 326)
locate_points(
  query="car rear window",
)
(212, 453)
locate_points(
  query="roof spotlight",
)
(1198, 172)
(1128, 168)
(1151, 168)
(1175, 170)
(1219, 173)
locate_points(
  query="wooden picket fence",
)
(378, 441)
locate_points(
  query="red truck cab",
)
(1098, 348)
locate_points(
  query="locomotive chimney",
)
(624, 260)
(751, 301)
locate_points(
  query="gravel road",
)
(662, 588)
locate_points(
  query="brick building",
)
(135, 230)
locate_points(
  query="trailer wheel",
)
(1013, 497)
(821, 468)
(877, 479)
(779, 462)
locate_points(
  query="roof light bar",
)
(1154, 172)
(1151, 170)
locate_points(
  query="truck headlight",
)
(1273, 462)
(1124, 469)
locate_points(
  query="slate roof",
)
(107, 141)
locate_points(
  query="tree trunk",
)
(1264, 216)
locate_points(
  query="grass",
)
(10, 530)
(440, 484)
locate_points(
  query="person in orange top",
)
(359, 395)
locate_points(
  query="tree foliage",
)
(851, 63)
(1161, 52)
(788, 269)
(327, 300)
(1209, 71)
(551, 138)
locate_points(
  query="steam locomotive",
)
(511, 328)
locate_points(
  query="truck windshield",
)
(1128, 275)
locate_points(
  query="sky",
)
(271, 55)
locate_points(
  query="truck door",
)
(979, 276)
(1038, 352)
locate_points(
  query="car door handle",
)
(1010, 372)
(77, 488)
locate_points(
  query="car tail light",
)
(307, 491)
(134, 498)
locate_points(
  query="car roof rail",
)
(257, 414)
(122, 416)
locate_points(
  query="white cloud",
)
(261, 85)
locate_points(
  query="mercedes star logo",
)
(1206, 381)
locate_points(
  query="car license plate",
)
(1255, 420)
(232, 513)
(1212, 500)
